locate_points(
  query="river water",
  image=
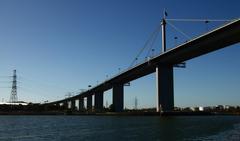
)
(114, 128)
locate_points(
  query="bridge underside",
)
(224, 36)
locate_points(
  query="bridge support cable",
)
(200, 20)
(98, 101)
(183, 64)
(151, 48)
(150, 41)
(179, 30)
(165, 89)
(118, 100)
(206, 21)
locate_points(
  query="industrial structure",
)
(13, 96)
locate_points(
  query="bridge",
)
(162, 65)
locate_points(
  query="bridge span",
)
(162, 65)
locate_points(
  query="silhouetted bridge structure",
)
(162, 64)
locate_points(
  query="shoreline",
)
(55, 113)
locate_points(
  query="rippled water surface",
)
(101, 128)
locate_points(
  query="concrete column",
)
(118, 98)
(89, 102)
(163, 23)
(98, 101)
(73, 104)
(81, 104)
(165, 90)
(65, 104)
(58, 106)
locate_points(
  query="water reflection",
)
(71, 128)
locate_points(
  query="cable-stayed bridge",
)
(162, 65)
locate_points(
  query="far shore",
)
(175, 113)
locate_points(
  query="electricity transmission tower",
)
(13, 96)
(135, 103)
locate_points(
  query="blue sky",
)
(60, 46)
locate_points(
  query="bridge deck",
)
(224, 36)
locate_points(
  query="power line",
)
(40, 84)
(5, 81)
(5, 87)
(5, 76)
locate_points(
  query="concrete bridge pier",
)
(58, 105)
(118, 91)
(81, 104)
(89, 102)
(165, 89)
(65, 104)
(98, 101)
(73, 104)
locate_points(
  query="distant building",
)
(187, 109)
(14, 103)
(192, 108)
(177, 109)
(219, 107)
(228, 107)
(209, 108)
(198, 109)
(201, 108)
